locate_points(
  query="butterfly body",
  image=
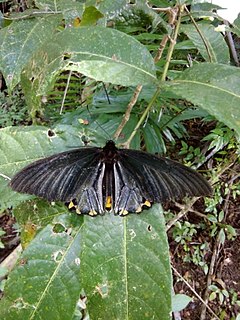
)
(95, 180)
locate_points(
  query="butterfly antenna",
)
(99, 125)
(106, 93)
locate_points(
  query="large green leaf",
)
(236, 26)
(48, 5)
(214, 87)
(103, 54)
(125, 266)
(217, 48)
(19, 41)
(38, 211)
(110, 8)
(21, 146)
(45, 284)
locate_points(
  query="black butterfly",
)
(96, 180)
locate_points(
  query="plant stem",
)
(177, 11)
(172, 44)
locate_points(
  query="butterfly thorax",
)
(109, 154)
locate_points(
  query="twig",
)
(183, 207)
(152, 101)
(128, 111)
(12, 258)
(145, 113)
(172, 14)
(172, 18)
(196, 294)
(176, 11)
(182, 213)
(65, 91)
(161, 48)
(231, 45)
(209, 277)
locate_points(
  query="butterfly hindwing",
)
(96, 180)
(128, 193)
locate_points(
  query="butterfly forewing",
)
(165, 179)
(57, 177)
(95, 180)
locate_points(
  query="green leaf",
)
(212, 218)
(111, 8)
(214, 87)
(213, 287)
(48, 5)
(90, 16)
(45, 284)
(71, 10)
(103, 54)
(216, 45)
(221, 216)
(231, 230)
(38, 211)
(222, 236)
(23, 145)
(180, 301)
(3, 272)
(19, 41)
(125, 266)
(212, 296)
(236, 26)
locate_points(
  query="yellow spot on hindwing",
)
(71, 205)
(78, 211)
(139, 209)
(92, 213)
(123, 212)
(147, 203)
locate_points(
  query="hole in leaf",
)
(20, 304)
(22, 262)
(59, 228)
(57, 256)
(149, 228)
(66, 56)
(102, 289)
(82, 302)
(51, 133)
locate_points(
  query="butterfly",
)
(94, 180)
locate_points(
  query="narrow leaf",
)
(217, 49)
(125, 266)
